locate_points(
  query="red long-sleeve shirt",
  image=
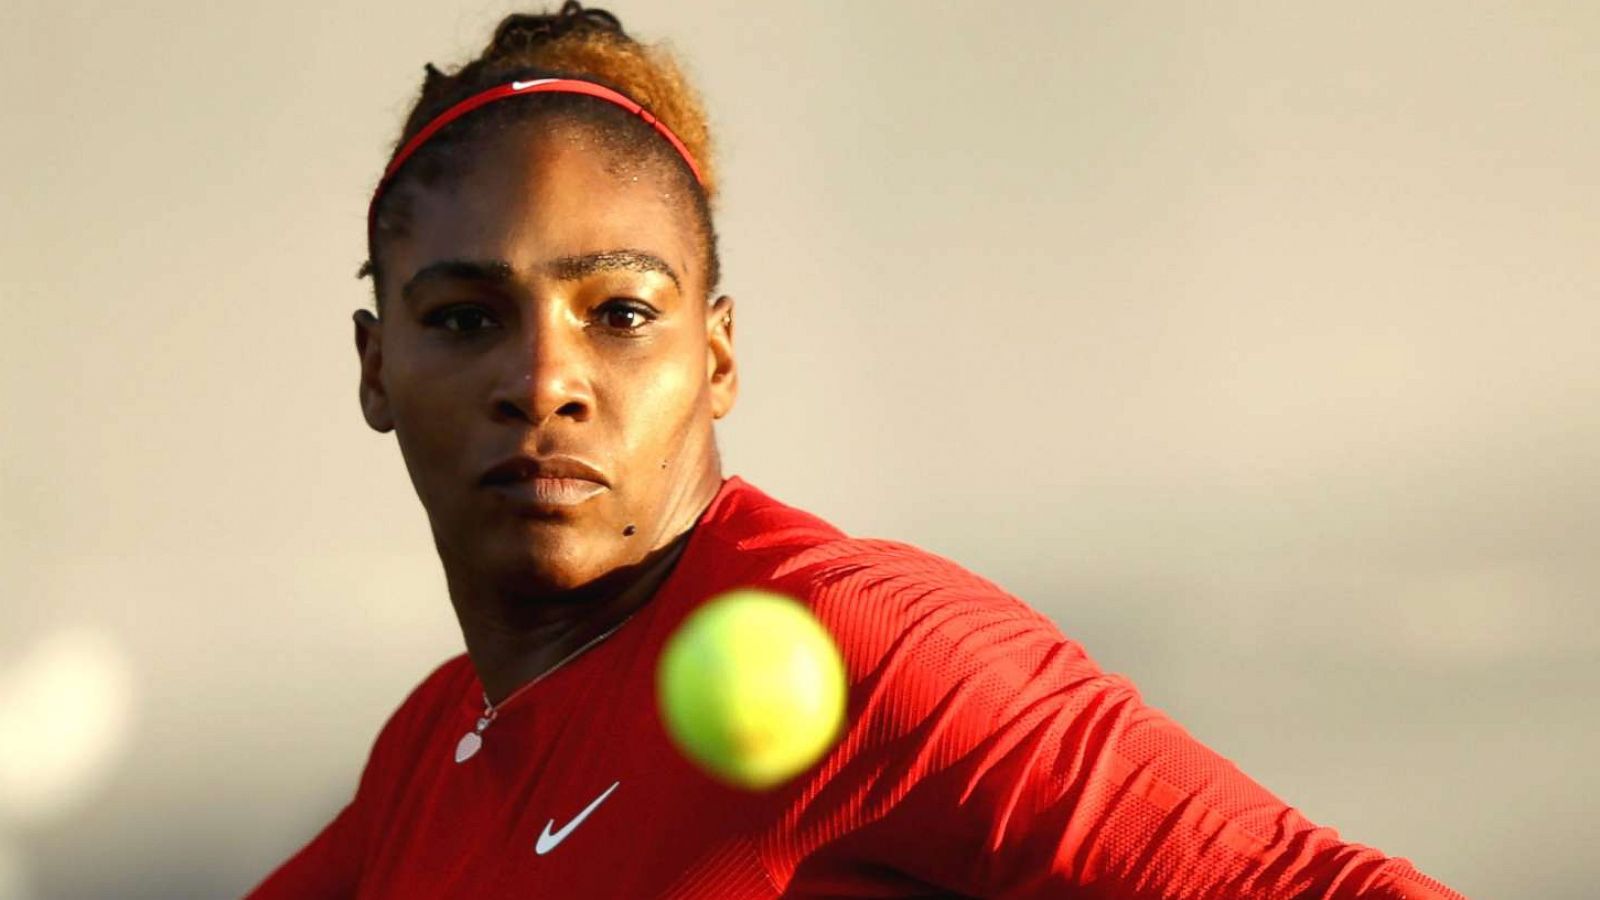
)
(985, 755)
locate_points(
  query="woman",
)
(550, 351)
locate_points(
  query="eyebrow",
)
(572, 268)
(566, 268)
(483, 271)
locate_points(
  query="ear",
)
(721, 373)
(369, 347)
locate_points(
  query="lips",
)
(528, 468)
(542, 485)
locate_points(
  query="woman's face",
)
(548, 302)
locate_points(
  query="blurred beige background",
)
(1252, 342)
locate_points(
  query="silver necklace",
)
(473, 740)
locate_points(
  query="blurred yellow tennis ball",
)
(751, 686)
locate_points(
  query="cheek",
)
(662, 401)
(429, 404)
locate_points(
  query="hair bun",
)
(521, 31)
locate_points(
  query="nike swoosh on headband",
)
(522, 88)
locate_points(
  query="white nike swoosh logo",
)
(548, 841)
(524, 85)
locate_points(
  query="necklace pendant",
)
(467, 746)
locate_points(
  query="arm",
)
(327, 868)
(1084, 787)
(1000, 761)
(331, 865)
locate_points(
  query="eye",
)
(462, 320)
(625, 315)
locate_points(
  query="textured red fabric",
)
(986, 755)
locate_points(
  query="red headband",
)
(516, 88)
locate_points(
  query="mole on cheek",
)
(628, 532)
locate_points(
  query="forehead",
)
(533, 194)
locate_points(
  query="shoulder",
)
(882, 599)
(904, 612)
(437, 696)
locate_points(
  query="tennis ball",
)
(752, 688)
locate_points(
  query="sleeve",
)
(991, 756)
(330, 866)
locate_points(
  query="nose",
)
(545, 373)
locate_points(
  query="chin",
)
(560, 564)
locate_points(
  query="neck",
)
(514, 639)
